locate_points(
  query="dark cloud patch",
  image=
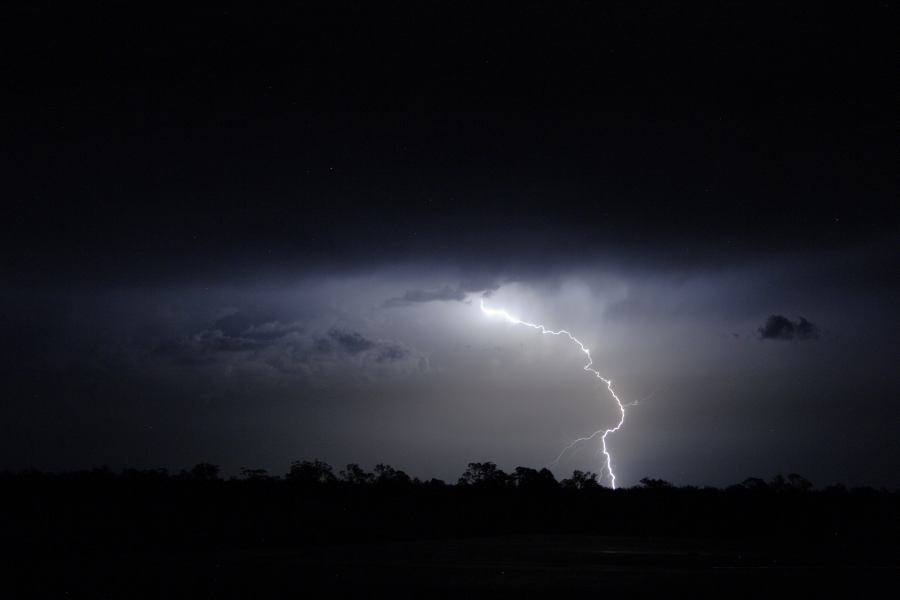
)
(779, 327)
(286, 347)
(446, 293)
(351, 342)
(391, 353)
(324, 345)
(271, 331)
(201, 348)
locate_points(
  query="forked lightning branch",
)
(493, 312)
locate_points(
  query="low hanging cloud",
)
(779, 327)
(445, 293)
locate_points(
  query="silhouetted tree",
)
(778, 483)
(146, 474)
(532, 479)
(799, 483)
(523, 476)
(655, 484)
(837, 488)
(253, 474)
(755, 484)
(484, 474)
(356, 475)
(141, 507)
(310, 472)
(202, 472)
(388, 475)
(581, 480)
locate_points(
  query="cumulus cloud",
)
(779, 327)
(289, 348)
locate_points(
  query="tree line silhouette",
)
(311, 504)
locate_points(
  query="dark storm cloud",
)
(779, 327)
(496, 191)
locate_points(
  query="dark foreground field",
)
(526, 564)
(312, 534)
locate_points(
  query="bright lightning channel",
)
(493, 312)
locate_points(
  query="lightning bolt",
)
(493, 312)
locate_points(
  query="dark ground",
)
(517, 565)
(150, 534)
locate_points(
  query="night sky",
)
(252, 235)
